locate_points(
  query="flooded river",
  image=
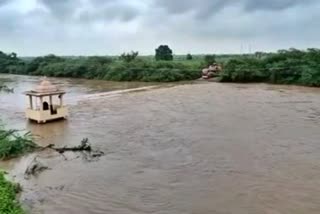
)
(197, 148)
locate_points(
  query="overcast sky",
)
(107, 27)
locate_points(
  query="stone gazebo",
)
(41, 104)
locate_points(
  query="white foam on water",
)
(109, 94)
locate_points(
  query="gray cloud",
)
(274, 4)
(109, 12)
(32, 27)
(2, 2)
(200, 7)
(91, 10)
(61, 8)
(9, 24)
(207, 8)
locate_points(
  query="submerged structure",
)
(46, 103)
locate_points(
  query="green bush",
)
(13, 144)
(8, 202)
(209, 59)
(244, 70)
(311, 76)
(284, 67)
(130, 67)
(159, 71)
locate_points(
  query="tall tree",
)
(189, 56)
(163, 52)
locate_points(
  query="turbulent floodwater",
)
(200, 148)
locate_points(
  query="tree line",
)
(293, 66)
(126, 67)
(290, 66)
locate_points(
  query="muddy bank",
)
(206, 148)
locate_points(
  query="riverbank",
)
(298, 67)
(237, 148)
(8, 202)
(104, 68)
(293, 66)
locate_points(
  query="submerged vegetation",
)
(8, 202)
(14, 144)
(6, 89)
(127, 67)
(284, 67)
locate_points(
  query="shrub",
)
(285, 67)
(8, 202)
(13, 144)
(209, 59)
(129, 57)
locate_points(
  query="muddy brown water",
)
(198, 148)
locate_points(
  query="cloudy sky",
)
(89, 27)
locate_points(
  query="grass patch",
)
(8, 202)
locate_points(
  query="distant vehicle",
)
(212, 71)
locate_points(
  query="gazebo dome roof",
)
(46, 87)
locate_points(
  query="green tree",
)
(13, 55)
(34, 67)
(209, 59)
(100, 60)
(163, 52)
(258, 54)
(189, 56)
(129, 57)
(8, 61)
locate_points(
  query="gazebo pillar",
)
(30, 100)
(41, 103)
(61, 100)
(50, 101)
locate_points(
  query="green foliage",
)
(35, 66)
(128, 68)
(9, 62)
(284, 67)
(240, 70)
(209, 59)
(129, 57)
(189, 57)
(13, 144)
(81, 67)
(163, 52)
(141, 70)
(8, 202)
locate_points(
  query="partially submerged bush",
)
(6, 89)
(8, 202)
(160, 71)
(285, 67)
(244, 70)
(13, 144)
